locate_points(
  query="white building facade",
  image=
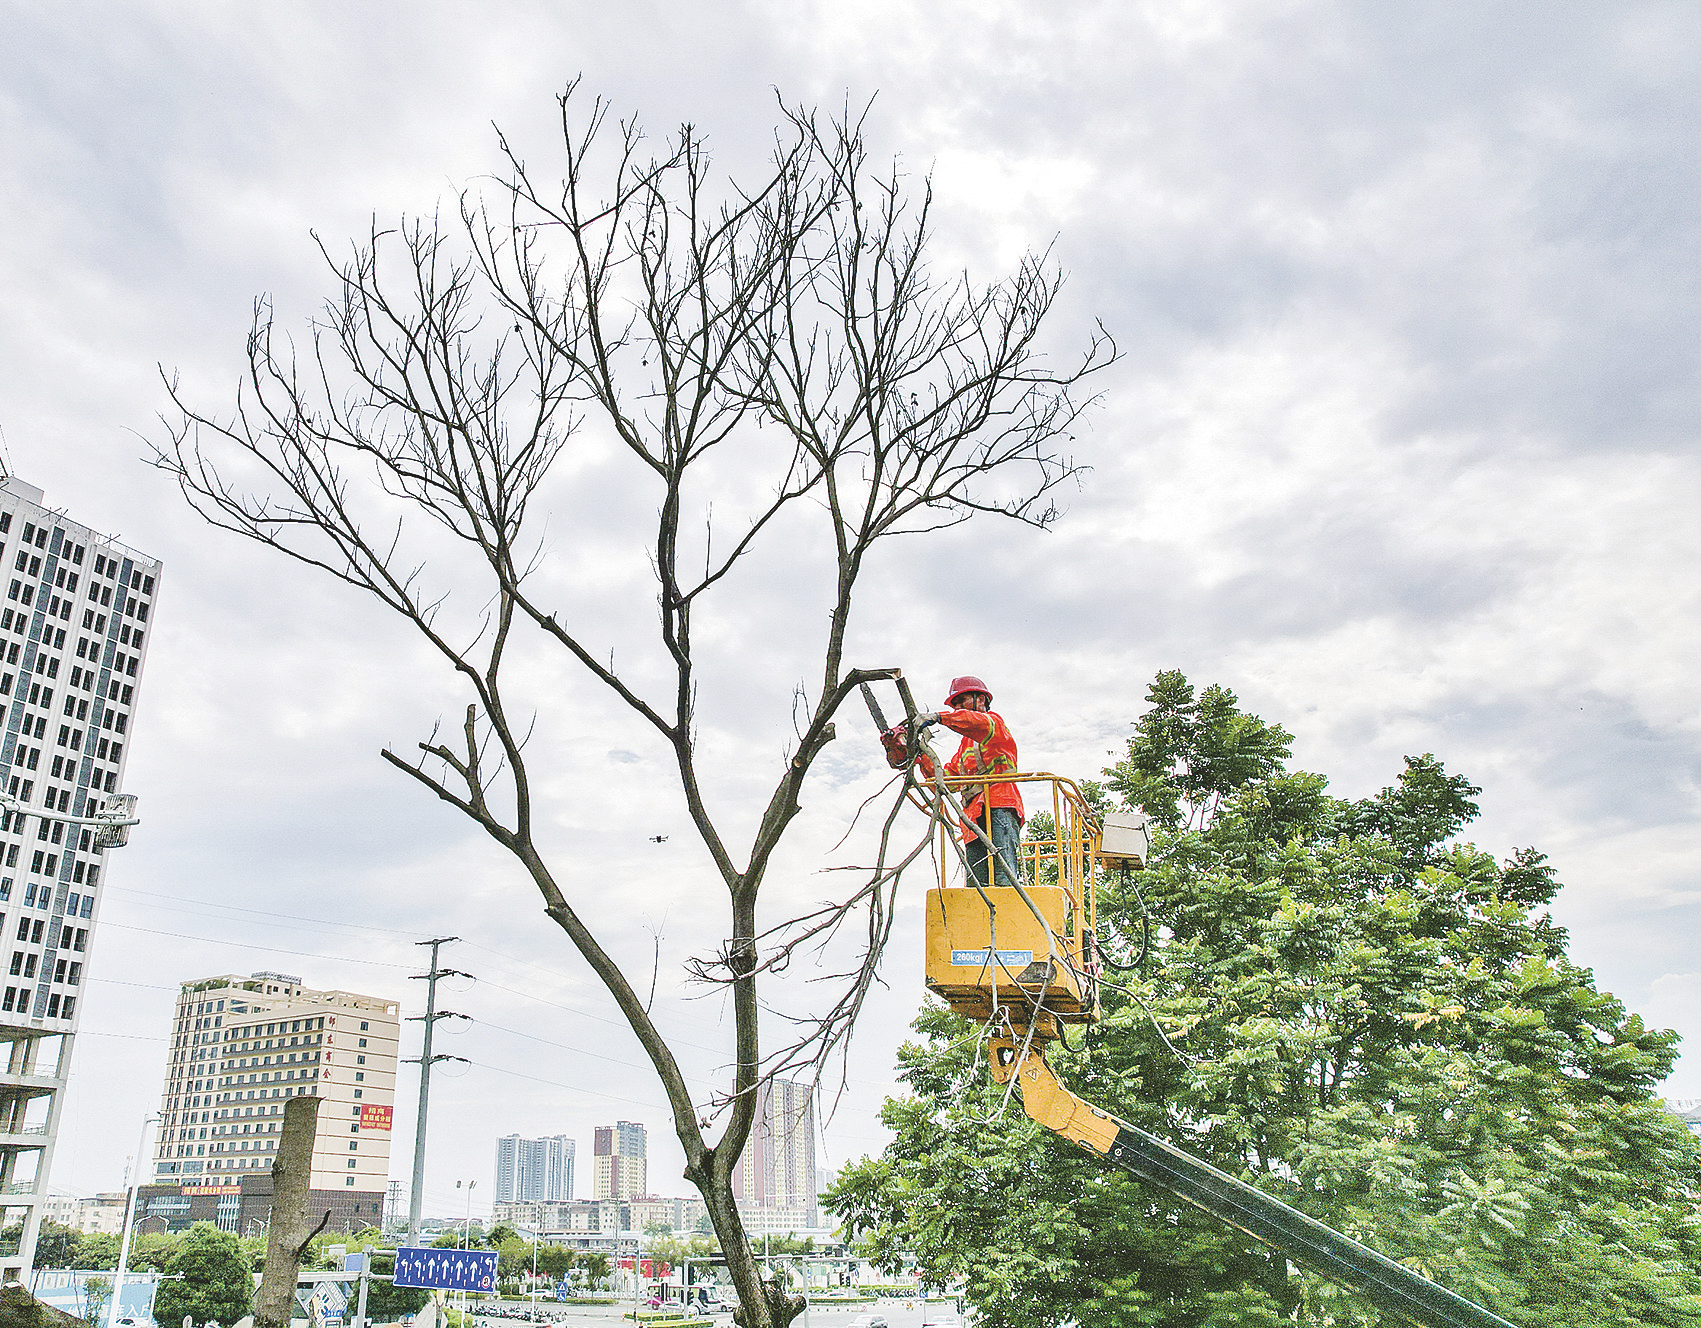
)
(241, 1046)
(534, 1170)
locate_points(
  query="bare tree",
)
(794, 325)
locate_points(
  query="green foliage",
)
(1375, 1022)
(594, 1267)
(97, 1249)
(155, 1250)
(385, 1301)
(19, 1309)
(669, 1248)
(97, 1295)
(555, 1261)
(56, 1245)
(215, 1283)
(784, 1245)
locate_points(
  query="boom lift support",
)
(1022, 961)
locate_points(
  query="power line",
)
(426, 1061)
(577, 1051)
(249, 945)
(378, 963)
(262, 913)
(572, 1088)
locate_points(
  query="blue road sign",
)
(453, 1270)
(561, 1291)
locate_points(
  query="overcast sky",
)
(1401, 450)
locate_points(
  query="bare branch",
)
(788, 330)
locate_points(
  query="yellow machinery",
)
(1025, 952)
(1022, 960)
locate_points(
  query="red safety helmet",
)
(965, 684)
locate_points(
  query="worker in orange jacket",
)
(987, 748)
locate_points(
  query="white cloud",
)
(1402, 449)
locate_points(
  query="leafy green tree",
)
(57, 1245)
(385, 1301)
(215, 1284)
(97, 1295)
(594, 1267)
(555, 1261)
(153, 1250)
(1345, 1006)
(98, 1249)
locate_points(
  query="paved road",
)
(897, 1313)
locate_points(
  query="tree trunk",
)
(780, 1307)
(287, 1237)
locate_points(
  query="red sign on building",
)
(375, 1117)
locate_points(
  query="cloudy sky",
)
(1400, 449)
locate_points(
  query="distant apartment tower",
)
(534, 1170)
(618, 1154)
(74, 629)
(241, 1047)
(777, 1167)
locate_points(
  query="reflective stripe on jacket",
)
(987, 748)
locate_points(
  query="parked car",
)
(868, 1321)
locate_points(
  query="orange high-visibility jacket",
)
(987, 749)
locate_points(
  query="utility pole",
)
(426, 1060)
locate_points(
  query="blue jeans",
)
(1006, 834)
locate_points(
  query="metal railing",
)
(1065, 854)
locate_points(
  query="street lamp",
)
(466, 1228)
(466, 1241)
(129, 1221)
(535, 1235)
(111, 823)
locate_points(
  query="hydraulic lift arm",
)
(1387, 1285)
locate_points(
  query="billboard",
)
(376, 1118)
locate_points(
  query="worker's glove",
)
(896, 744)
(926, 718)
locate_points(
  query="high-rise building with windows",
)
(240, 1048)
(618, 1156)
(775, 1181)
(534, 1170)
(74, 631)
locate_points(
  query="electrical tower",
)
(425, 1061)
